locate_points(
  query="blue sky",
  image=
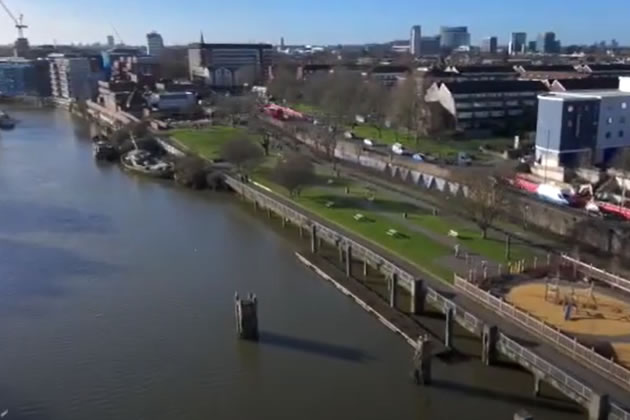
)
(313, 21)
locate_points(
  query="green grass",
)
(305, 108)
(414, 247)
(208, 141)
(438, 147)
(492, 248)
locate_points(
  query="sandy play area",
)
(596, 314)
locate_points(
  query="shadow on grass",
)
(354, 202)
(314, 347)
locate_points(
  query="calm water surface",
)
(116, 303)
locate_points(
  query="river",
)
(116, 302)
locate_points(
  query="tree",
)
(237, 108)
(486, 198)
(242, 153)
(284, 85)
(373, 103)
(410, 110)
(294, 172)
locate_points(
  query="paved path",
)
(600, 383)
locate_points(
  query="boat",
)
(102, 150)
(147, 163)
(6, 122)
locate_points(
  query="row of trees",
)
(341, 95)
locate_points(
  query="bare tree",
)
(373, 102)
(410, 110)
(285, 85)
(237, 108)
(294, 172)
(243, 153)
(486, 198)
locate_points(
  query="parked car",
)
(398, 149)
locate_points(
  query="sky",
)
(312, 21)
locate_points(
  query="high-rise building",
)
(110, 41)
(489, 45)
(70, 77)
(454, 37)
(155, 43)
(430, 45)
(518, 43)
(547, 43)
(415, 41)
(532, 46)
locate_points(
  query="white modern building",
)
(579, 128)
(70, 77)
(155, 44)
(415, 41)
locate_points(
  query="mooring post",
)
(537, 383)
(448, 328)
(418, 295)
(365, 268)
(349, 260)
(598, 407)
(393, 290)
(422, 361)
(246, 316)
(340, 250)
(489, 344)
(314, 239)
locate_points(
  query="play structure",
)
(576, 297)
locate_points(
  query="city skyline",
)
(348, 23)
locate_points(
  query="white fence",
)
(612, 280)
(570, 346)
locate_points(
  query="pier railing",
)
(570, 346)
(563, 381)
(589, 270)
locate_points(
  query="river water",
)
(116, 302)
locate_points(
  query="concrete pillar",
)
(284, 222)
(448, 328)
(340, 250)
(537, 383)
(422, 361)
(301, 230)
(365, 268)
(489, 344)
(268, 212)
(418, 296)
(393, 290)
(598, 407)
(313, 239)
(349, 261)
(256, 205)
(246, 311)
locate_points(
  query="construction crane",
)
(116, 32)
(19, 22)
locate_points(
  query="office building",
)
(430, 45)
(155, 44)
(110, 41)
(415, 41)
(532, 46)
(487, 107)
(75, 77)
(518, 43)
(452, 37)
(230, 65)
(547, 43)
(19, 77)
(579, 128)
(489, 45)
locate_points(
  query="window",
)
(621, 133)
(570, 108)
(624, 105)
(570, 123)
(608, 134)
(609, 120)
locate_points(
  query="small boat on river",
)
(6, 122)
(147, 163)
(103, 150)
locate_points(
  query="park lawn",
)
(442, 148)
(208, 141)
(414, 247)
(491, 248)
(305, 109)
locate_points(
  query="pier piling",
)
(246, 316)
(418, 295)
(489, 344)
(393, 290)
(313, 239)
(448, 328)
(349, 261)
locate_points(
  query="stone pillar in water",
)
(246, 316)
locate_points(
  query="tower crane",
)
(19, 22)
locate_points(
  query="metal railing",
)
(572, 347)
(612, 280)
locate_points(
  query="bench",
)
(393, 233)
(453, 233)
(358, 217)
(330, 204)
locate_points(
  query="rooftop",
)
(496, 86)
(589, 94)
(228, 45)
(589, 83)
(484, 69)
